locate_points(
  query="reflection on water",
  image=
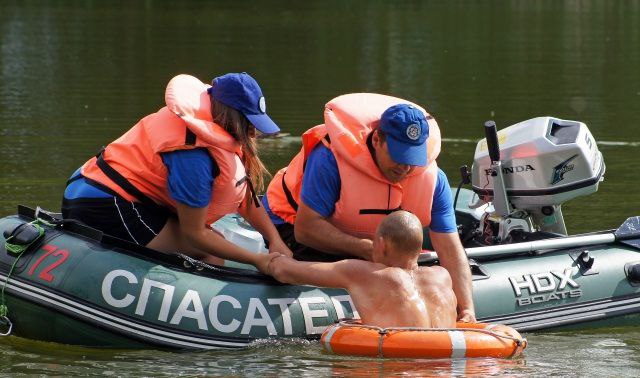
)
(477, 367)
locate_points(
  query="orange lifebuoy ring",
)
(350, 337)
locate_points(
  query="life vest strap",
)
(254, 196)
(101, 186)
(326, 141)
(292, 202)
(241, 181)
(287, 193)
(190, 137)
(74, 178)
(379, 211)
(121, 181)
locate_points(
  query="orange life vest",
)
(366, 196)
(184, 123)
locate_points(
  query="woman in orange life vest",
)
(176, 171)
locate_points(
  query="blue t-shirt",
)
(191, 176)
(190, 179)
(321, 190)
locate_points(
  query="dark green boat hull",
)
(82, 288)
(70, 284)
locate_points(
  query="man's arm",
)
(337, 274)
(453, 258)
(320, 191)
(315, 231)
(192, 231)
(258, 218)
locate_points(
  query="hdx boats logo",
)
(544, 287)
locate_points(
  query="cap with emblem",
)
(407, 130)
(241, 92)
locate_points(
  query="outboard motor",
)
(524, 173)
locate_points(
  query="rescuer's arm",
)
(259, 219)
(320, 191)
(193, 232)
(453, 258)
(315, 231)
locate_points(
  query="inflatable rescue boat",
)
(64, 282)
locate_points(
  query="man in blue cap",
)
(373, 155)
(164, 181)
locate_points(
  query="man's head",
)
(398, 236)
(400, 141)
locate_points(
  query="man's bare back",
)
(392, 296)
(391, 291)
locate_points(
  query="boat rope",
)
(385, 331)
(190, 262)
(4, 310)
(17, 248)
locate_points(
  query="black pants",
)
(115, 216)
(300, 251)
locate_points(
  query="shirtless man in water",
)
(389, 291)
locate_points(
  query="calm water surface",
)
(75, 74)
(610, 353)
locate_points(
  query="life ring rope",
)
(384, 331)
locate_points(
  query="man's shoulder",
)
(391, 274)
(359, 268)
(422, 272)
(322, 153)
(321, 161)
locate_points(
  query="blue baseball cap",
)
(407, 131)
(242, 92)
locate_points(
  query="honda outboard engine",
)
(524, 173)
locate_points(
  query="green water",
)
(75, 74)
